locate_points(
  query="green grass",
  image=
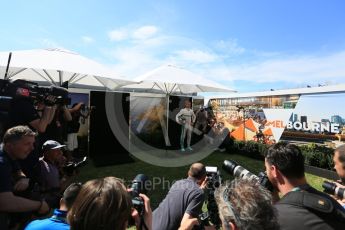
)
(167, 175)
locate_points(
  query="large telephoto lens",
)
(236, 170)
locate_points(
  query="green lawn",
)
(163, 177)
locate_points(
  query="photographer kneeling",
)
(106, 204)
(17, 144)
(242, 204)
(51, 184)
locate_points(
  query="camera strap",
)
(308, 200)
(314, 203)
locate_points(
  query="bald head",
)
(197, 171)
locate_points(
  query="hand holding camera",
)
(145, 215)
(141, 212)
(50, 100)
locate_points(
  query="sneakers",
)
(188, 148)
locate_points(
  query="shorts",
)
(72, 141)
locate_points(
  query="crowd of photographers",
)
(35, 178)
(279, 199)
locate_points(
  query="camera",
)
(27, 89)
(213, 177)
(236, 170)
(214, 180)
(333, 189)
(138, 186)
(71, 167)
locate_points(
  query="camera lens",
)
(229, 166)
(139, 184)
(329, 187)
(340, 192)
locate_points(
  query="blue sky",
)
(309, 105)
(247, 45)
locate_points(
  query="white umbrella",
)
(170, 79)
(57, 66)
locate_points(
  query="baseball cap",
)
(50, 144)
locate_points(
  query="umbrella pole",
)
(167, 126)
(8, 65)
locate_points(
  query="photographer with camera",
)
(51, 164)
(57, 128)
(106, 204)
(201, 119)
(73, 127)
(186, 119)
(243, 204)
(301, 206)
(339, 166)
(23, 112)
(17, 144)
(183, 201)
(58, 221)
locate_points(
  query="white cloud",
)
(49, 43)
(230, 47)
(196, 56)
(295, 69)
(134, 34)
(87, 39)
(133, 61)
(144, 32)
(118, 35)
(148, 50)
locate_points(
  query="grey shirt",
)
(185, 196)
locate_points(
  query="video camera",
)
(27, 89)
(71, 167)
(236, 170)
(333, 189)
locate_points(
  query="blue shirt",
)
(56, 222)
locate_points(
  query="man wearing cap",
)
(58, 220)
(52, 157)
